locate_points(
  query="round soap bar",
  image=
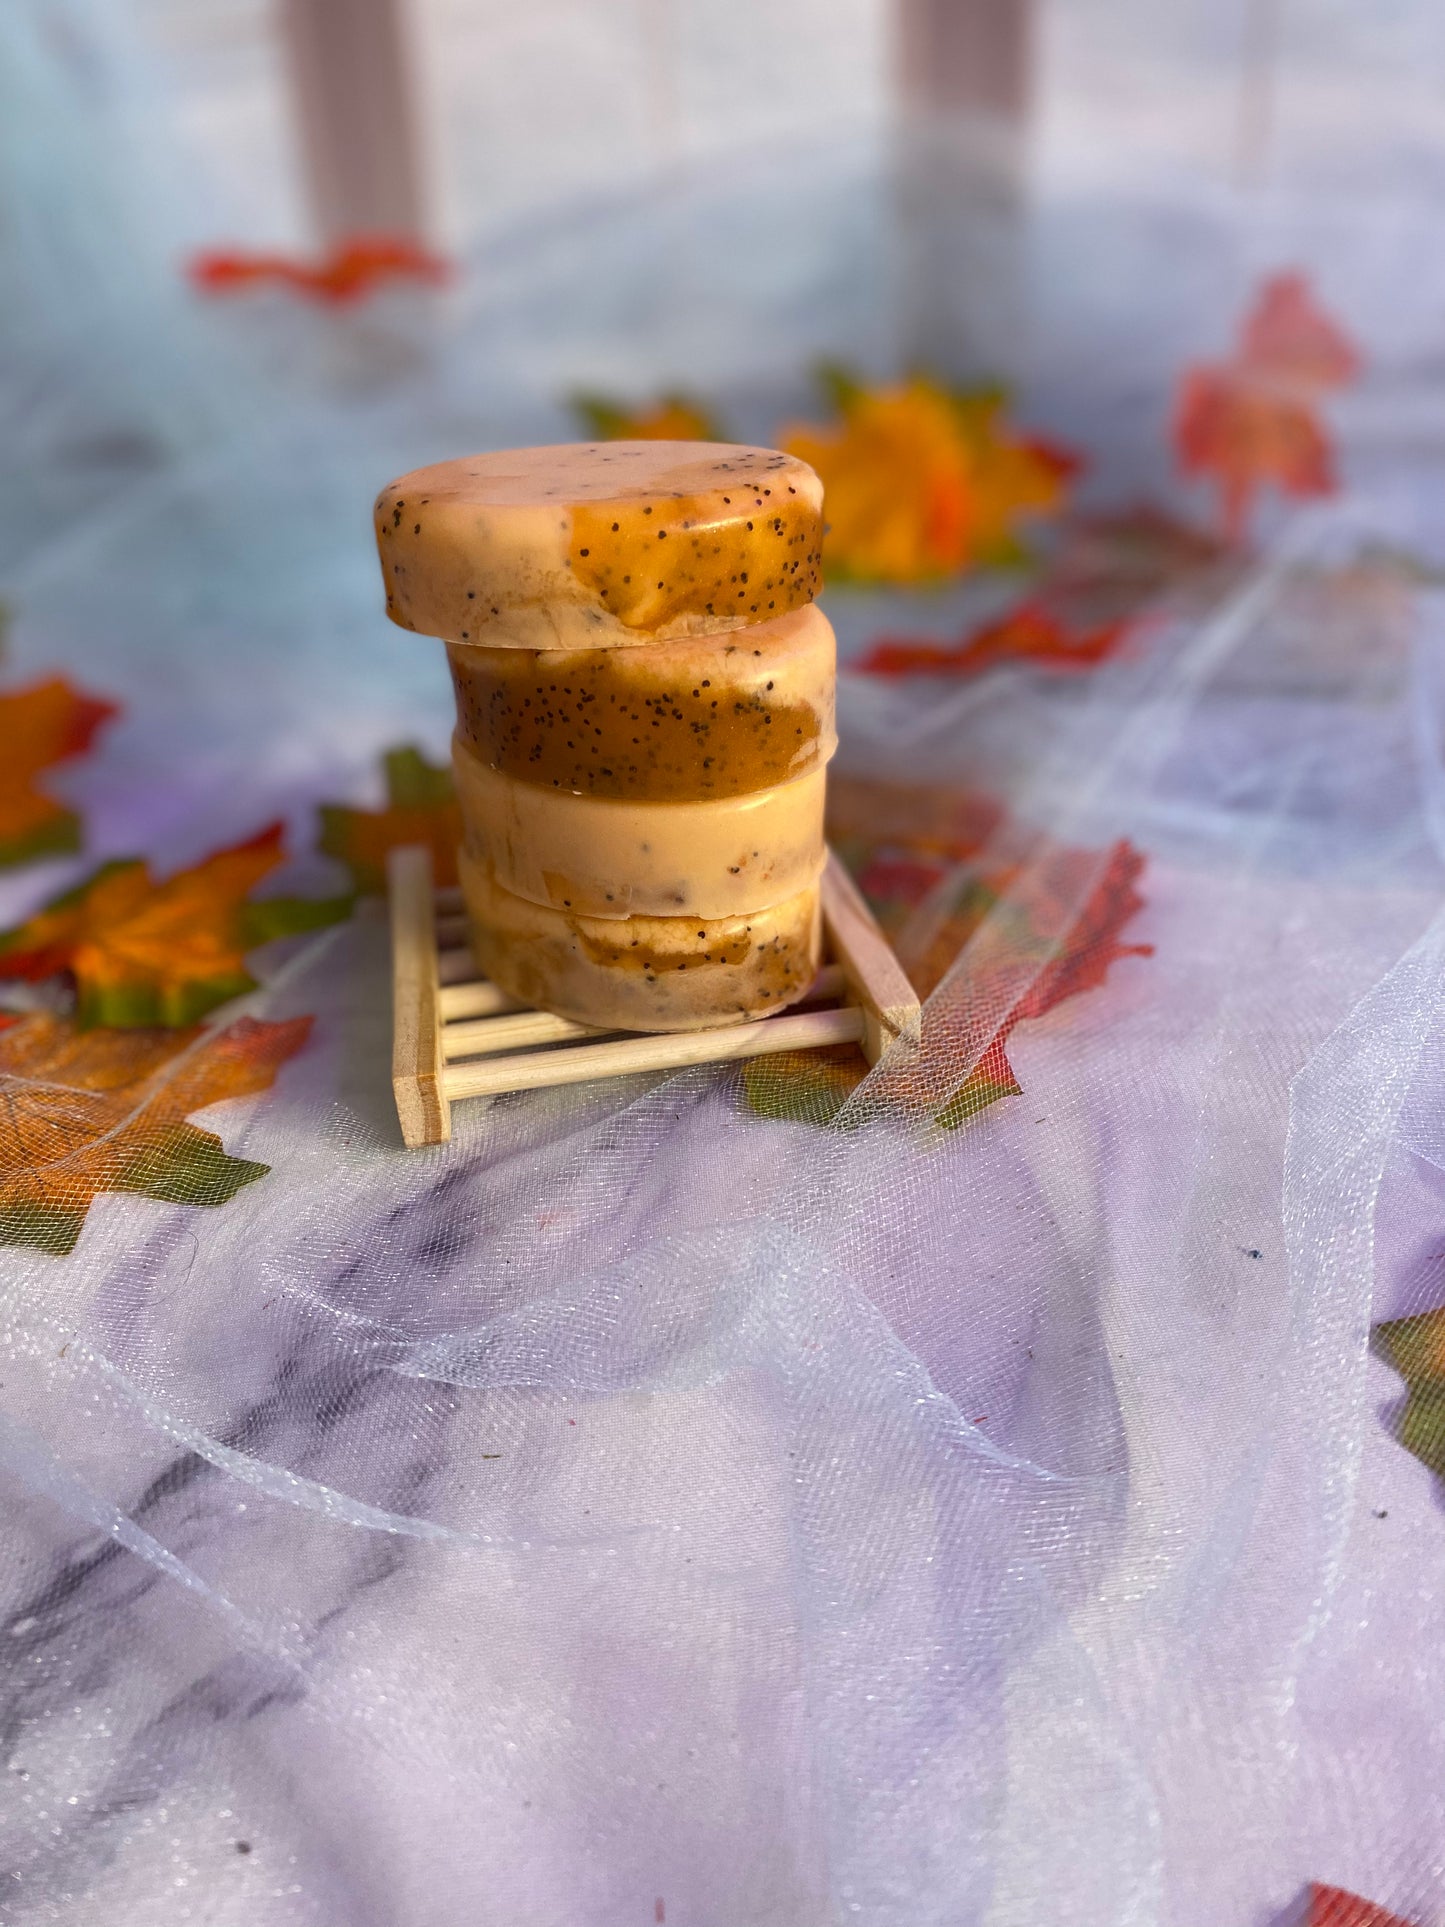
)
(644, 973)
(602, 858)
(719, 716)
(594, 544)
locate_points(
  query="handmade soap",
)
(643, 973)
(606, 858)
(645, 715)
(593, 545)
(709, 717)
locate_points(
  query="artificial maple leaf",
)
(1048, 916)
(1143, 544)
(920, 482)
(144, 953)
(897, 478)
(672, 418)
(1031, 632)
(1288, 337)
(1415, 1347)
(812, 1086)
(353, 270)
(41, 725)
(86, 1111)
(901, 880)
(979, 895)
(911, 819)
(804, 1086)
(1092, 940)
(1254, 419)
(421, 807)
(1107, 568)
(1075, 941)
(1333, 1907)
(901, 841)
(1015, 476)
(1242, 435)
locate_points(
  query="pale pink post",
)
(1258, 87)
(966, 56)
(965, 90)
(351, 78)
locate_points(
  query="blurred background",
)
(516, 111)
(1074, 195)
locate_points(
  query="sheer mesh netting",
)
(795, 1494)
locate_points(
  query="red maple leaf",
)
(1086, 941)
(1076, 943)
(900, 879)
(1244, 434)
(1031, 632)
(354, 269)
(1092, 943)
(1253, 420)
(1067, 464)
(1065, 916)
(911, 819)
(1333, 1907)
(1288, 337)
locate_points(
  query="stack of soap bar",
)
(644, 718)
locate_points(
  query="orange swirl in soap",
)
(679, 722)
(600, 544)
(643, 973)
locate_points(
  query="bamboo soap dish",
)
(455, 1036)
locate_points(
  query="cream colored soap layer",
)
(647, 973)
(677, 722)
(596, 544)
(609, 859)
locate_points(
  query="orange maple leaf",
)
(420, 807)
(1016, 477)
(898, 481)
(1036, 902)
(83, 1112)
(1334, 1907)
(146, 953)
(353, 270)
(1030, 632)
(921, 482)
(44, 724)
(671, 418)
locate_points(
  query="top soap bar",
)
(597, 544)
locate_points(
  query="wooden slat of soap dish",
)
(456, 1036)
